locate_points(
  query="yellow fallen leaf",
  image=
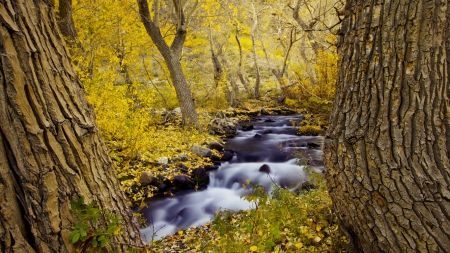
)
(254, 248)
(299, 245)
(180, 232)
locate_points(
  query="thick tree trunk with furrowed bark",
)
(51, 152)
(387, 148)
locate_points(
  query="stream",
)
(272, 141)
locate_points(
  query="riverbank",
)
(290, 223)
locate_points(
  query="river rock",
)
(183, 181)
(215, 145)
(211, 167)
(247, 127)
(200, 177)
(257, 136)
(201, 151)
(269, 120)
(214, 158)
(221, 125)
(147, 178)
(227, 155)
(265, 168)
(183, 167)
(230, 133)
(312, 145)
(267, 131)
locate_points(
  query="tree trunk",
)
(387, 147)
(51, 152)
(255, 59)
(171, 56)
(239, 71)
(65, 22)
(258, 73)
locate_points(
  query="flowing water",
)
(272, 142)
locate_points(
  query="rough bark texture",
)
(65, 21)
(50, 148)
(172, 56)
(387, 148)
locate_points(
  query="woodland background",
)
(237, 54)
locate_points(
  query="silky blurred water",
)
(275, 147)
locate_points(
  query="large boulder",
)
(201, 151)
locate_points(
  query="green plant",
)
(282, 221)
(96, 227)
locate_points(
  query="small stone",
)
(211, 167)
(227, 155)
(215, 145)
(257, 136)
(247, 127)
(312, 145)
(146, 178)
(177, 110)
(200, 176)
(265, 168)
(182, 157)
(183, 180)
(200, 151)
(163, 160)
(183, 167)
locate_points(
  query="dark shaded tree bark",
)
(51, 152)
(172, 54)
(65, 22)
(387, 147)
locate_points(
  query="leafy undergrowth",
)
(158, 141)
(285, 222)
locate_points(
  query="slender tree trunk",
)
(239, 71)
(51, 152)
(172, 56)
(255, 59)
(258, 73)
(387, 147)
